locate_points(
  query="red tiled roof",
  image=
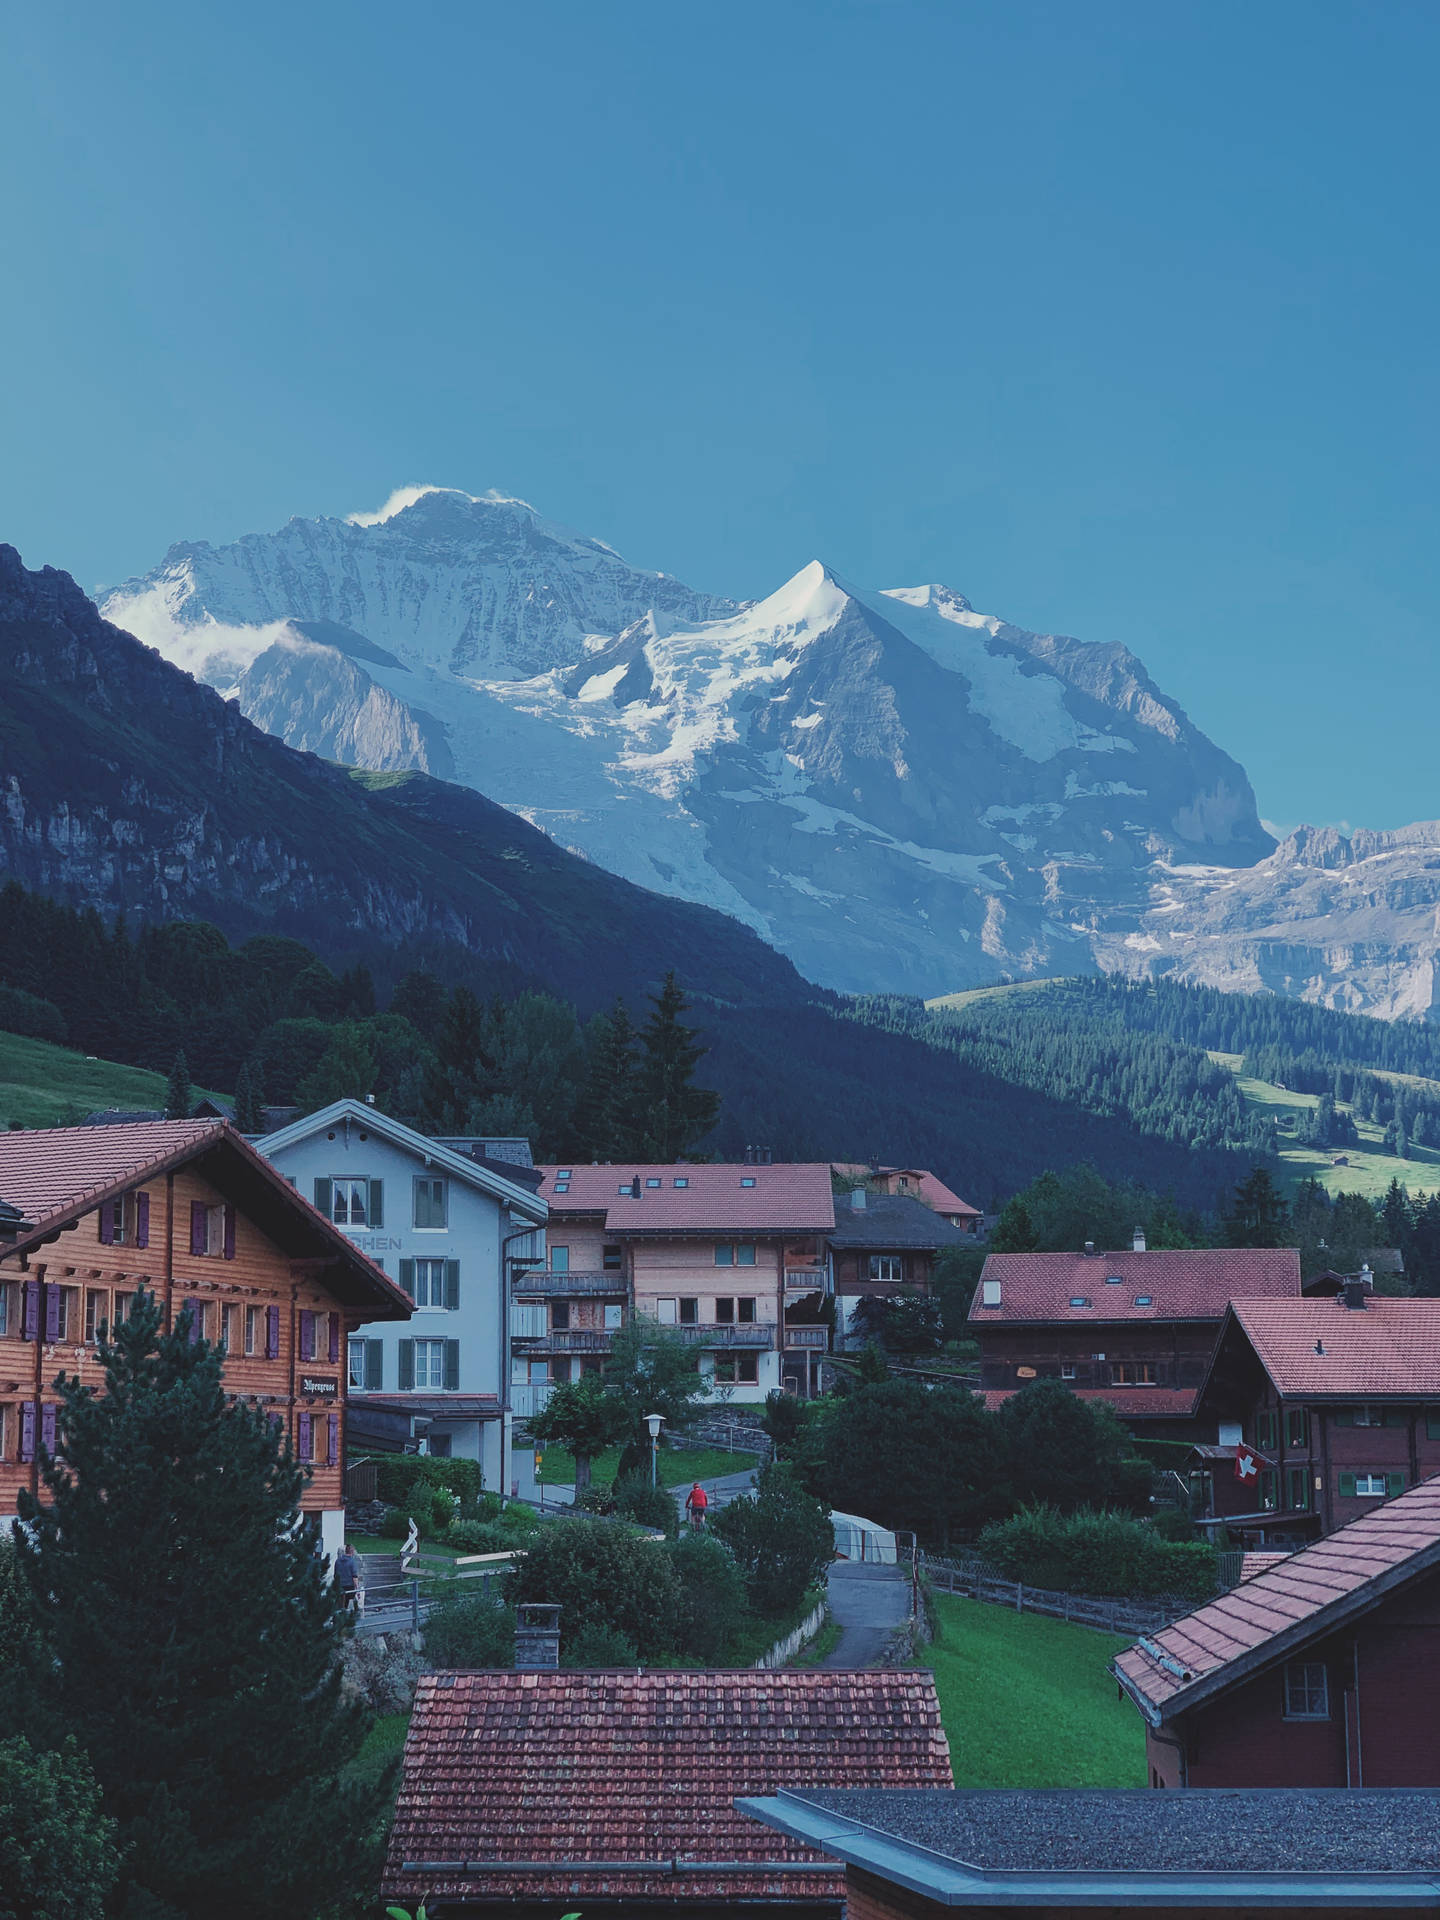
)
(1259, 1561)
(1131, 1403)
(933, 1191)
(46, 1171)
(793, 1197)
(1195, 1285)
(597, 1771)
(1388, 1346)
(1305, 1595)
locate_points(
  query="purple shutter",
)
(229, 1231)
(334, 1343)
(52, 1313)
(199, 1236)
(272, 1333)
(197, 1316)
(306, 1425)
(332, 1443)
(107, 1223)
(142, 1219)
(47, 1429)
(31, 1325)
(307, 1334)
(27, 1431)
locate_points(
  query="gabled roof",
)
(1191, 1285)
(893, 1220)
(924, 1184)
(679, 1197)
(54, 1175)
(1318, 1348)
(1267, 1618)
(1131, 1403)
(583, 1785)
(481, 1174)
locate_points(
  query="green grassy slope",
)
(47, 1086)
(1027, 1701)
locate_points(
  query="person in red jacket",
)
(696, 1501)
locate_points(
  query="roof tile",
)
(1388, 1346)
(1196, 1285)
(44, 1171)
(784, 1198)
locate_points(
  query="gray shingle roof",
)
(892, 1220)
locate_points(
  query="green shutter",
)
(407, 1366)
(1432, 1423)
(1345, 1417)
(377, 1203)
(323, 1198)
(1347, 1486)
(1394, 1483)
(407, 1277)
(452, 1286)
(374, 1365)
(452, 1366)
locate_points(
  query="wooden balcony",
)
(581, 1340)
(815, 1337)
(540, 1283)
(750, 1335)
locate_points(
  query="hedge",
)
(1103, 1553)
(396, 1474)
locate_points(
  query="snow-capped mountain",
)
(898, 792)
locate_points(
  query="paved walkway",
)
(869, 1603)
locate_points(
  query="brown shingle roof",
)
(623, 1783)
(1388, 1346)
(792, 1197)
(1264, 1619)
(1196, 1285)
(45, 1171)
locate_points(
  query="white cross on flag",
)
(1247, 1464)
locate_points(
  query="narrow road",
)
(869, 1603)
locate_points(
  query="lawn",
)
(46, 1086)
(678, 1467)
(383, 1744)
(1027, 1701)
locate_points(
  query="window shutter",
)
(107, 1223)
(27, 1431)
(272, 1333)
(374, 1365)
(31, 1289)
(332, 1440)
(52, 1313)
(47, 1429)
(229, 1231)
(452, 1286)
(1347, 1486)
(196, 1313)
(199, 1239)
(305, 1446)
(334, 1338)
(407, 1277)
(307, 1334)
(1394, 1483)
(452, 1366)
(142, 1219)
(407, 1365)
(377, 1203)
(324, 1198)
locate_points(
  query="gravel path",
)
(869, 1603)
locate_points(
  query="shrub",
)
(383, 1676)
(599, 1646)
(397, 1473)
(420, 1507)
(781, 1538)
(477, 1536)
(395, 1525)
(1173, 1523)
(1106, 1553)
(647, 1506)
(519, 1520)
(465, 1630)
(599, 1575)
(596, 1499)
(712, 1596)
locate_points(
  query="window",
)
(432, 1202)
(886, 1266)
(212, 1230)
(654, 1183)
(1373, 1486)
(666, 1312)
(561, 1186)
(683, 1182)
(97, 1313)
(1297, 1488)
(1268, 1489)
(350, 1203)
(725, 1313)
(689, 1313)
(125, 1221)
(1132, 1373)
(430, 1283)
(736, 1369)
(734, 1256)
(9, 1307)
(745, 1311)
(1067, 1371)
(1297, 1427)
(1144, 1299)
(357, 1363)
(614, 1317)
(560, 1316)
(563, 1173)
(1113, 1280)
(123, 1303)
(1079, 1299)
(560, 1372)
(989, 1293)
(611, 1259)
(1307, 1690)
(1267, 1428)
(748, 1181)
(724, 1256)
(559, 1259)
(229, 1329)
(429, 1363)
(1371, 1417)
(254, 1330)
(527, 1319)
(67, 1315)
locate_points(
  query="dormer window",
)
(1144, 1299)
(1113, 1280)
(1079, 1299)
(682, 1183)
(748, 1181)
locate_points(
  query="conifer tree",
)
(249, 1098)
(1259, 1216)
(675, 1114)
(179, 1094)
(190, 1644)
(463, 1070)
(607, 1121)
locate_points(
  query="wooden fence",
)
(976, 1582)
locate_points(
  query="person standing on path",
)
(696, 1501)
(347, 1575)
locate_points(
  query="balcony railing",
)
(748, 1335)
(806, 1279)
(537, 1282)
(581, 1340)
(529, 1396)
(811, 1336)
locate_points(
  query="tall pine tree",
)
(179, 1094)
(675, 1114)
(190, 1644)
(607, 1116)
(1258, 1215)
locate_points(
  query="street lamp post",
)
(654, 1421)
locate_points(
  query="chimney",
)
(1354, 1288)
(537, 1637)
(1089, 1246)
(1139, 1240)
(635, 1188)
(857, 1199)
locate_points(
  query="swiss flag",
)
(1247, 1464)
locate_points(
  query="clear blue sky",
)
(1119, 318)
